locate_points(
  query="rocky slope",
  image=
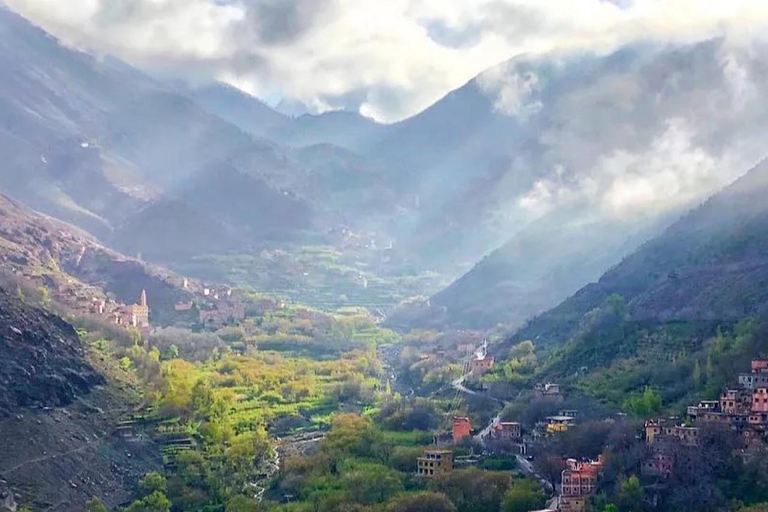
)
(38, 248)
(41, 358)
(95, 142)
(57, 417)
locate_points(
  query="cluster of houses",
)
(744, 409)
(129, 316)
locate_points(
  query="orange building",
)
(572, 504)
(760, 400)
(462, 428)
(759, 365)
(137, 315)
(735, 401)
(580, 478)
(481, 365)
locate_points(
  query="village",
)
(741, 411)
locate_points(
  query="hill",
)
(694, 295)
(51, 253)
(541, 265)
(41, 358)
(94, 142)
(563, 164)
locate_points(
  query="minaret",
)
(143, 301)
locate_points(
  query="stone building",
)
(507, 431)
(434, 462)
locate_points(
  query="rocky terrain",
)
(41, 358)
(61, 410)
(47, 251)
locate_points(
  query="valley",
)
(545, 291)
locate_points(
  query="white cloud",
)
(514, 90)
(388, 59)
(672, 172)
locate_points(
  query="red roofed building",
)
(580, 478)
(462, 428)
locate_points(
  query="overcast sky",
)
(387, 59)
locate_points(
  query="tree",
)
(96, 505)
(45, 296)
(171, 352)
(151, 482)
(523, 497)
(373, 484)
(631, 495)
(421, 502)
(240, 503)
(645, 405)
(697, 374)
(473, 490)
(155, 502)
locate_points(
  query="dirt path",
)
(88, 444)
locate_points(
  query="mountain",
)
(563, 164)
(49, 252)
(711, 265)
(96, 142)
(697, 294)
(348, 130)
(59, 407)
(543, 264)
(239, 108)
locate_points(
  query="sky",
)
(387, 59)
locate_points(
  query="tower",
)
(143, 300)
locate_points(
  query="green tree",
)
(645, 405)
(373, 484)
(631, 495)
(523, 496)
(151, 482)
(45, 296)
(155, 502)
(421, 502)
(240, 503)
(171, 352)
(611, 508)
(697, 374)
(96, 505)
(473, 490)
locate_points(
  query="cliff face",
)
(42, 362)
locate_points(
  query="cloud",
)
(650, 129)
(515, 90)
(394, 57)
(673, 172)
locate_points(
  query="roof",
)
(560, 418)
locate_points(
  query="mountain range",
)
(533, 178)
